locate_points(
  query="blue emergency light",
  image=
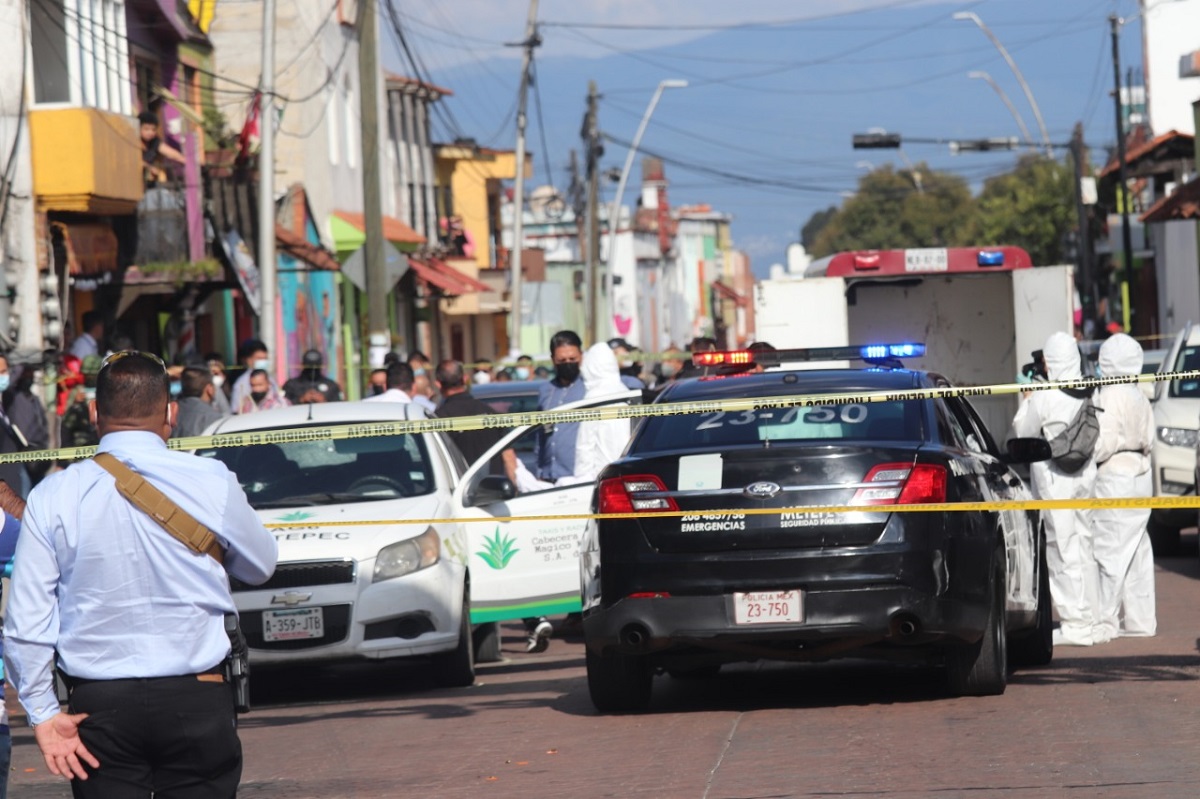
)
(876, 352)
(990, 258)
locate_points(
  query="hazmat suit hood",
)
(1120, 355)
(601, 374)
(1062, 357)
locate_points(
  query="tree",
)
(815, 224)
(889, 212)
(1031, 207)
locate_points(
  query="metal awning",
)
(435, 272)
(729, 294)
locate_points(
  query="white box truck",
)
(981, 312)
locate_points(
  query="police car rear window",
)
(875, 421)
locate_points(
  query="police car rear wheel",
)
(618, 683)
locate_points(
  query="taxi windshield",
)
(324, 472)
(874, 421)
(1189, 360)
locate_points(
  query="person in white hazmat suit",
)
(1125, 595)
(600, 443)
(1069, 554)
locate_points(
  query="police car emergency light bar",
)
(871, 353)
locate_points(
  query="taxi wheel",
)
(487, 642)
(456, 668)
(618, 683)
(1036, 647)
(981, 668)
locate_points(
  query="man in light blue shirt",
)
(556, 443)
(136, 617)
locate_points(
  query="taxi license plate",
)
(292, 625)
(768, 607)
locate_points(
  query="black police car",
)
(686, 594)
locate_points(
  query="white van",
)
(1176, 421)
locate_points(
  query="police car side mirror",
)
(1027, 450)
(489, 488)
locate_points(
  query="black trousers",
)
(175, 737)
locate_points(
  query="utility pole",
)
(531, 41)
(1122, 186)
(591, 137)
(1084, 240)
(376, 264)
(266, 185)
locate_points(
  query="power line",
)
(779, 23)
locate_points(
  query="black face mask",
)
(376, 390)
(566, 372)
(258, 396)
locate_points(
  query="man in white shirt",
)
(132, 617)
(399, 384)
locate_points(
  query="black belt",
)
(208, 675)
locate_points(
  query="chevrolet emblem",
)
(291, 598)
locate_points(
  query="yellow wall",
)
(471, 175)
(85, 160)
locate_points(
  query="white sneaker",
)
(539, 639)
(1061, 638)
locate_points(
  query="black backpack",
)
(1072, 448)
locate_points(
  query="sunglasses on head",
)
(117, 356)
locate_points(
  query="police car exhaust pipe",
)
(634, 636)
(904, 625)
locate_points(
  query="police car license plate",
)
(768, 607)
(292, 625)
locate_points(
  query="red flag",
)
(250, 136)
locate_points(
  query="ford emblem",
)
(763, 489)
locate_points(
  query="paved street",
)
(1114, 721)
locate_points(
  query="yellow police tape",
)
(1117, 503)
(511, 420)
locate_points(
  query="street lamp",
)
(614, 213)
(1007, 102)
(1037, 113)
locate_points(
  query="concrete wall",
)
(318, 142)
(1174, 246)
(1169, 32)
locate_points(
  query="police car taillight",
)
(616, 495)
(902, 484)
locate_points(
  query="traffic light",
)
(876, 141)
(52, 325)
(983, 145)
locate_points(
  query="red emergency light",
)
(727, 358)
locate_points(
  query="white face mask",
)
(262, 363)
(218, 380)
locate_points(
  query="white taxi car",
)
(388, 588)
(1176, 406)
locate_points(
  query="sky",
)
(777, 88)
